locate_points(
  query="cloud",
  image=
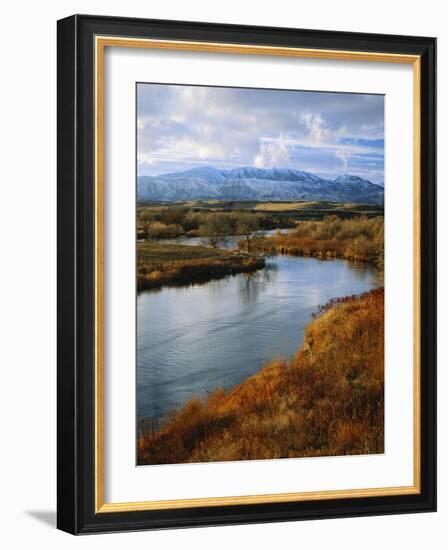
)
(272, 153)
(182, 126)
(318, 131)
(344, 157)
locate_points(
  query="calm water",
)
(191, 340)
(231, 241)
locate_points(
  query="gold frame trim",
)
(101, 42)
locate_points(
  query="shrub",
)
(157, 230)
(359, 238)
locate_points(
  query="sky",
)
(327, 134)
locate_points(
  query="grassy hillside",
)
(171, 264)
(327, 400)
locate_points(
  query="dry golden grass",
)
(359, 239)
(172, 264)
(328, 400)
(285, 206)
(323, 206)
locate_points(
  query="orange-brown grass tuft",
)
(327, 400)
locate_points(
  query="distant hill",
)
(281, 184)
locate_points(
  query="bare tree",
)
(246, 225)
(216, 229)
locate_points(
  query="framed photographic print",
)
(246, 274)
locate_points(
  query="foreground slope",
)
(327, 400)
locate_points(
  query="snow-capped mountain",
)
(282, 184)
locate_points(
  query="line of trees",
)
(174, 221)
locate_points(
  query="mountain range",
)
(259, 184)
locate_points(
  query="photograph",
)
(230, 213)
(259, 273)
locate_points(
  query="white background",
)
(28, 246)
(123, 481)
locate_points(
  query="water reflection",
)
(192, 339)
(252, 285)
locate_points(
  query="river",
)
(191, 340)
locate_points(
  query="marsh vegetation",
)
(327, 399)
(176, 265)
(359, 239)
(167, 220)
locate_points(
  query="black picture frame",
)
(76, 256)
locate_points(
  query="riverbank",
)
(359, 239)
(327, 400)
(172, 264)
